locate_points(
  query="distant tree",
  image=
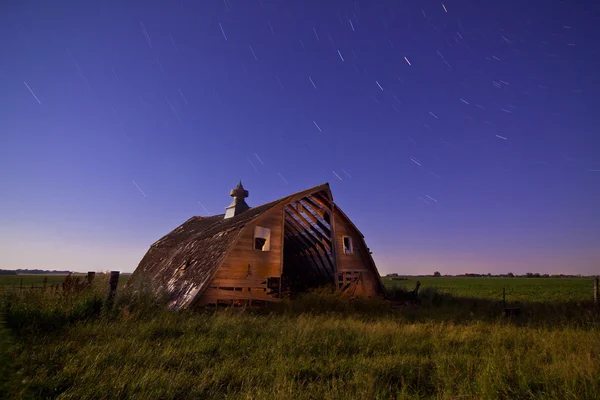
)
(437, 273)
(511, 275)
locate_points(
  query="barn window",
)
(262, 238)
(347, 245)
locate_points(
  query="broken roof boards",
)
(252, 255)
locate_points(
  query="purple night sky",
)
(460, 136)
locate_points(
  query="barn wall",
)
(244, 271)
(358, 261)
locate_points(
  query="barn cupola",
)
(238, 205)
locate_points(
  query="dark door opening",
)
(304, 267)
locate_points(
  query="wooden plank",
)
(322, 199)
(282, 247)
(360, 259)
(220, 294)
(293, 211)
(312, 215)
(299, 234)
(243, 283)
(318, 245)
(315, 204)
(334, 246)
(263, 263)
(324, 204)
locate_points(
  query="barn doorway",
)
(307, 248)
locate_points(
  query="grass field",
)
(317, 347)
(517, 289)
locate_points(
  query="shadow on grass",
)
(434, 306)
(44, 313)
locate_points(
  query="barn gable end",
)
(355, 263)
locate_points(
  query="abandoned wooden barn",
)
(252, 255)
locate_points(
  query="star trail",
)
(454, 127)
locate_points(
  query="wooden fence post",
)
(596, 297)
(90, 277)
(112, 285)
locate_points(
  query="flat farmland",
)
(545, 290)
(319, 346)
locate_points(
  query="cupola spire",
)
(238, 205)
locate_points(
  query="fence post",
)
(90, 277)
(596, 297)
(112, 285)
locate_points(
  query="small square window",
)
(262, 238)
(347, 245)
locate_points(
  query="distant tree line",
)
(526, 275)
(31, 271)
(509, 275)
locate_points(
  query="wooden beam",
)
(322, 199)
(321, 207)
(281, 259)
(302, 260)
(304, 252)
(314, 238)
(298, 249)
(321, 210)
(323, 204)
(315, 254)
(302, 236)
(312, 214)
(310, 226)
(334, 246)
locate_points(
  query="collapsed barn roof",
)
(198, 247)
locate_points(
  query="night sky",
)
(460, 136)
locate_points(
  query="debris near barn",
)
(250, 256)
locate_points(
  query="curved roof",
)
(198, 246)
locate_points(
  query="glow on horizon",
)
(65, 254)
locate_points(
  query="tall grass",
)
(320, 346)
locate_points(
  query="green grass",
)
(317, 347)
(517, 289)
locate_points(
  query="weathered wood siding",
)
(358, 261)
(246, 269)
